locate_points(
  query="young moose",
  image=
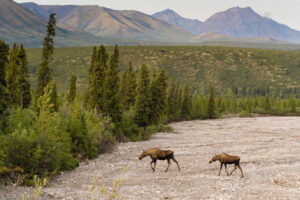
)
(160, 155)
(227, 159)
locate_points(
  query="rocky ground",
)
(269, 148)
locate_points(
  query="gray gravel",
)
(269, 148)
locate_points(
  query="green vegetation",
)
(225, 68)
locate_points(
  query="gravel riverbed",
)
(269, 148)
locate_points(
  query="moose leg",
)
(226, 169)
(151, 165)
(220, 169)
(154, 165)
(235, 167)
(241, 170)
(169, 163)
(176, 163)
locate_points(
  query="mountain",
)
(245, 23)
(20, 25)
(171, 17)
(105, 22)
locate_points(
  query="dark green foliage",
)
(97, 78)
(143, 98)
(23, 79)
(131, 88)
(211, 109)
(116, 56)
(172, 100)
(72, 90)
(12, 75)
(158, 101)
(111, 92)
(44, 74)
(54, 97)
(4, 50)
(123, 90)
(186, 103)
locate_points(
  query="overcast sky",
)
(283, 11)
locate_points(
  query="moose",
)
(227, 159)
(157, 154)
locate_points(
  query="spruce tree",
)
(111, 92)
(116, 56)
(123, 90)
(72, 89)
(91, 97)
(97, 78)
(131, 88)
(186, 103)
(44, 74)
(12, 76)
(172, 100)
(54, 97)
(142, 102)
(158, 97)
(211, 109)
(4, 51)
(23, 79)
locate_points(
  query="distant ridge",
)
(238, 23)
(20, 25)
(100, 21)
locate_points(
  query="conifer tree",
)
(23, 82)
(131, 88)
(178, 99)
(142, 102)
(54, 97)
(91, 97)
(158, 97)
(123, 90)
(72, 89)
(97, 78)
(172, 100)
(211, 110)
(186, 103)
(12, 76)
(116, 56)
(111, 92)
(44, 74)
(4, 51)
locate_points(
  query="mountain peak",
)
(167, 12)
(173, 18)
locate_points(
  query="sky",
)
(282, 11)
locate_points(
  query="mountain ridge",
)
(104, 22)
(20, 25)
(240, 22)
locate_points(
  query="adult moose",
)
(227, 159)
(157, 154)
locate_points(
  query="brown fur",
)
(227, 159)
(157, 154)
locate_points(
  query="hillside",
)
(18, 24)
(171, 17)
(100, 21)
(224, 67)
